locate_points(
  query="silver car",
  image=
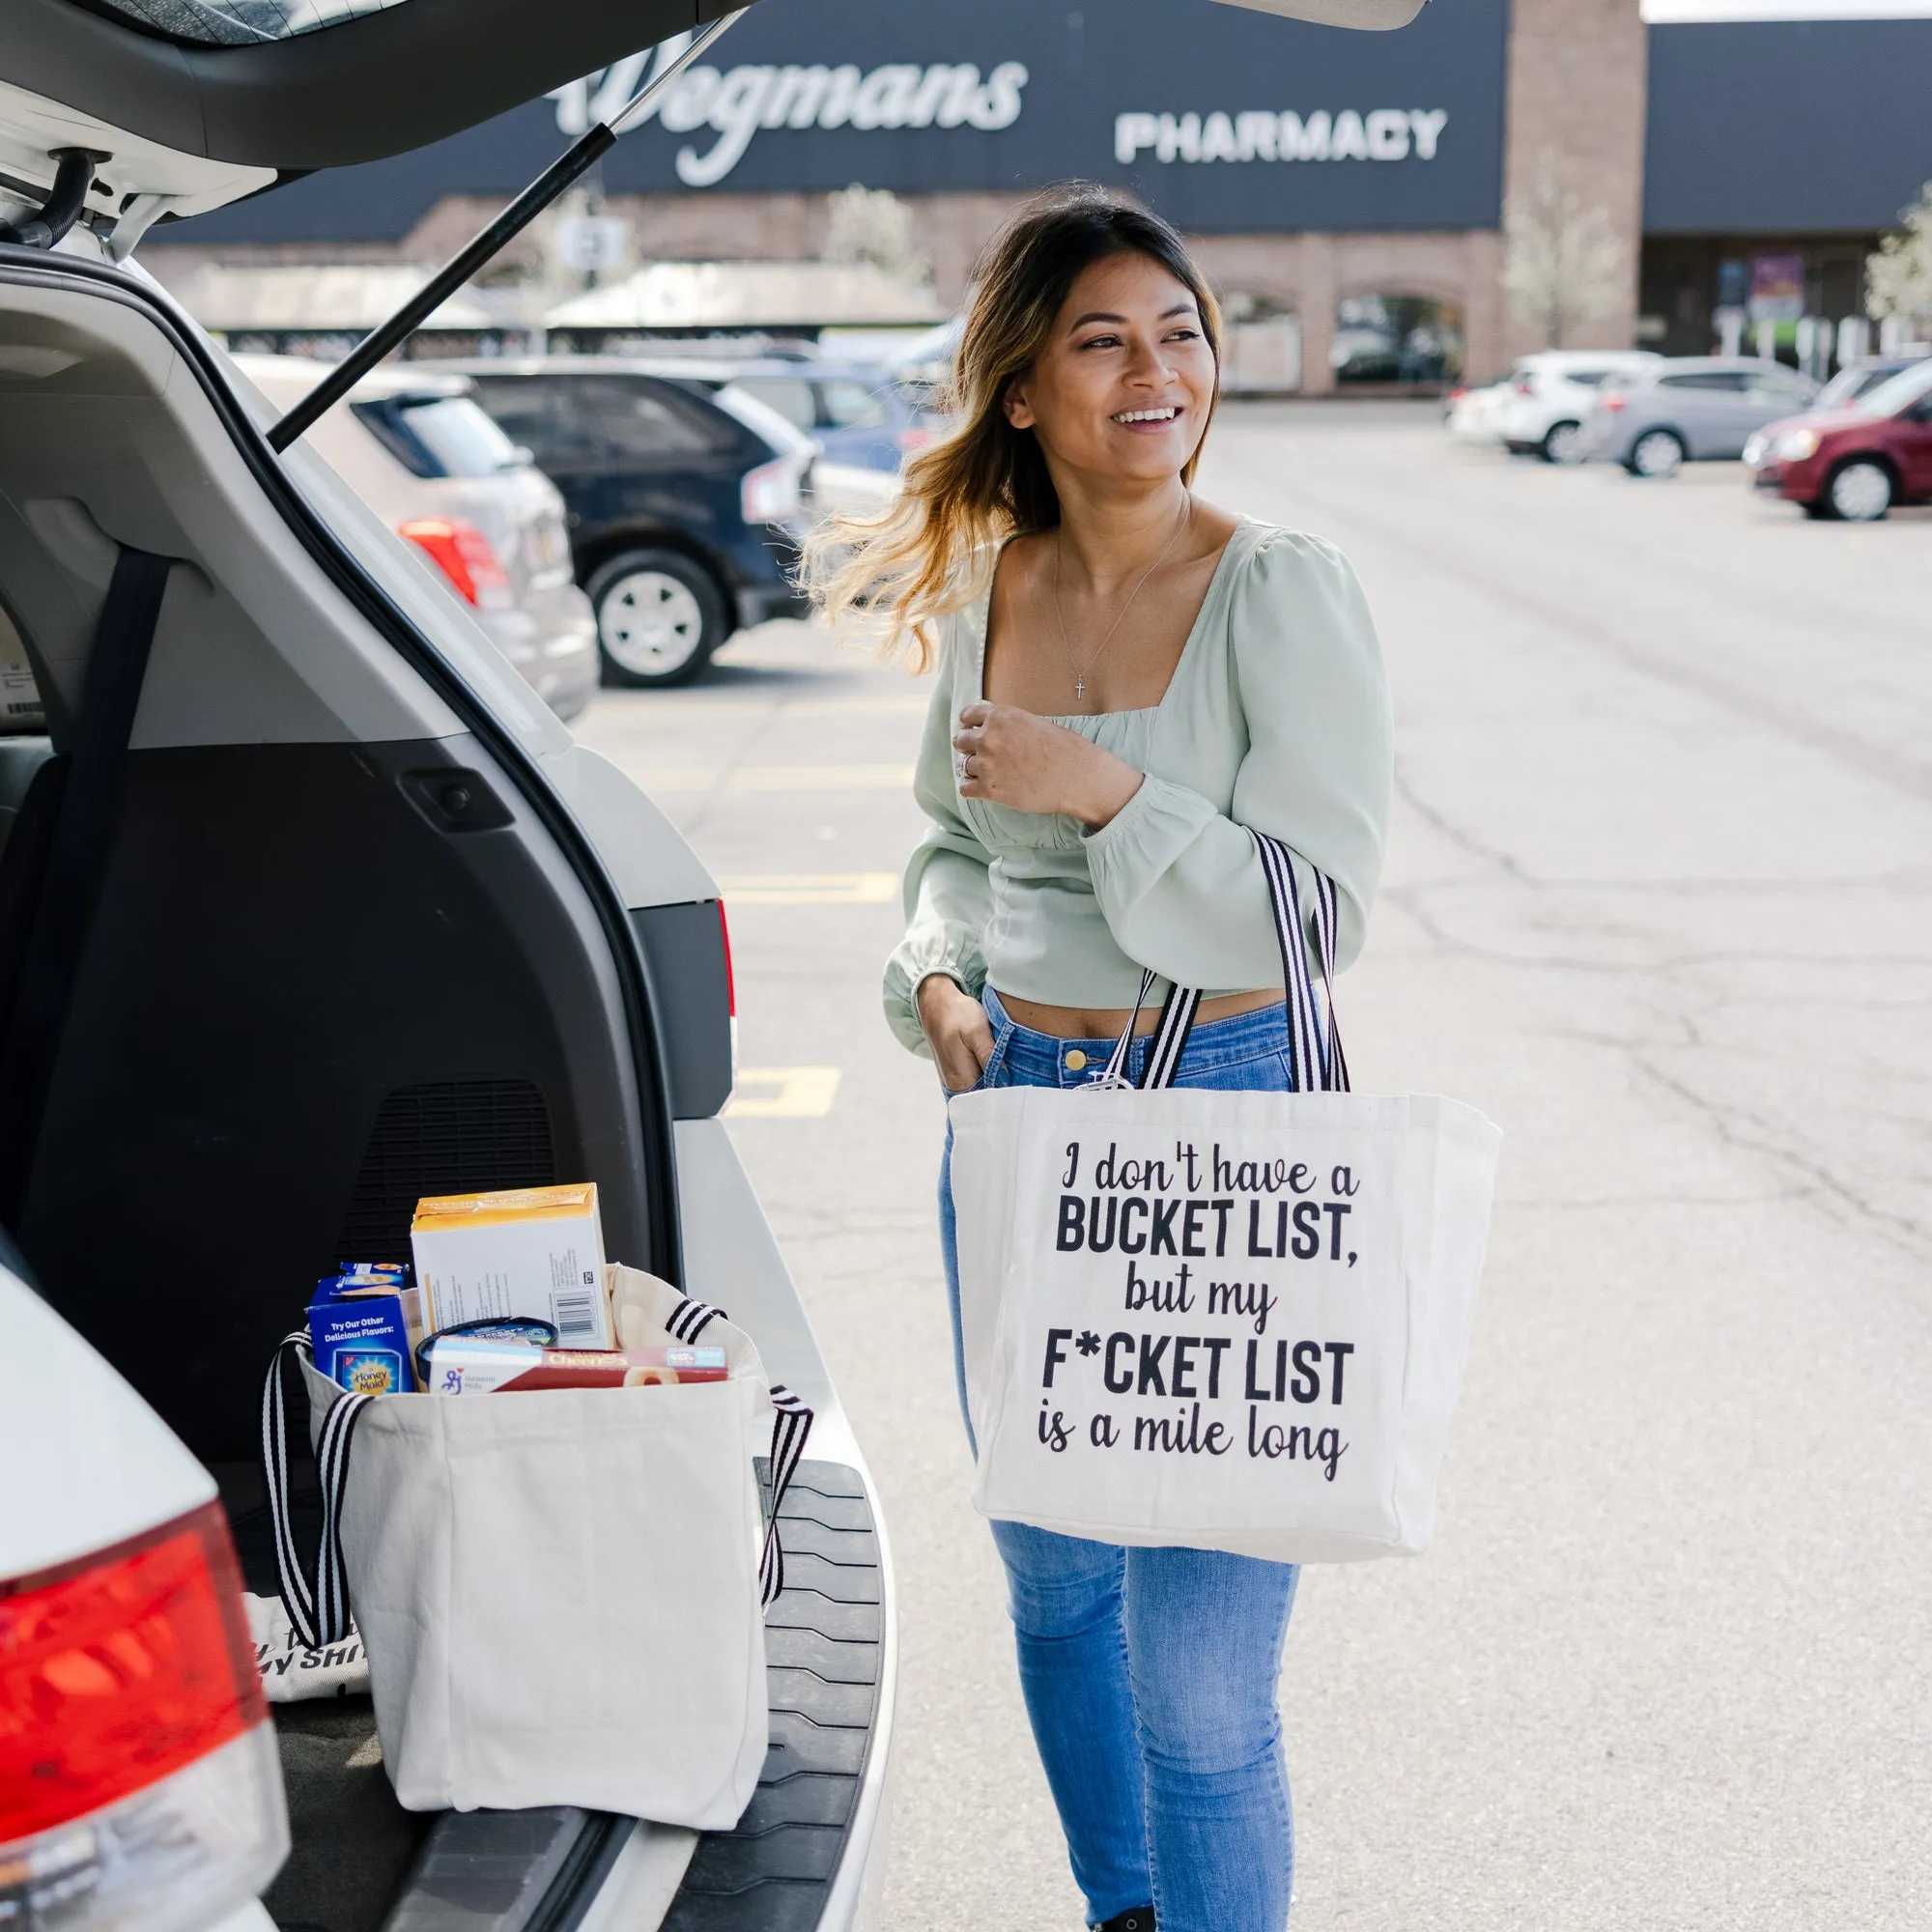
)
(1690, 409)
(422, 453)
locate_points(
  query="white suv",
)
(309, 905)
(1548, 397)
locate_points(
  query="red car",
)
(1856, 462)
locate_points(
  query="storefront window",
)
(1408, 341)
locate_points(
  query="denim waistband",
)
(1025, 1058)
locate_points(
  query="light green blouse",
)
(1277, 716)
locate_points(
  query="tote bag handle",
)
(318, 1604)
(318, 1607)
(1314, 1041)
(791, 1428)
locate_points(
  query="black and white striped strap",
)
(1169, 1041)
(1315, 1043)
(690, 1319)
(319, 1610)
(1314, 1039)
(791, 1427)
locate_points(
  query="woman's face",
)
(1124, 387)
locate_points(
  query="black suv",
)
(685, 500)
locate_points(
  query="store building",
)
(1352, 185)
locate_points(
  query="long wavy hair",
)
(885, 579)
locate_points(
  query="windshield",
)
(1899, 391)
(235, 24)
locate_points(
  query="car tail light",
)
(913, 438)
(730, 977)
(1523, 386)
(462, 554)
(139, 1779)
(769, 494)
(730, 986)
(1612, 401)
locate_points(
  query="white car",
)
(310, 906)
(139, 1777)
(1549, 395)
(419, 449)
(1473, 414)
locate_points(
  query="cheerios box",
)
(528, 1251)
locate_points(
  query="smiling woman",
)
(1132, 685)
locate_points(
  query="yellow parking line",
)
(804, 1093)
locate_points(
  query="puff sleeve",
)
(1178, 879)
(948, 897)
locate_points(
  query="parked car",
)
(159, 1803)
(858, 415)
(1855, 463)
(862, 423)
(1471, 415)
(1543, 406)
(349, 918)
(419, 451)
(686, 498)
(1690, 409)
(1857, 379)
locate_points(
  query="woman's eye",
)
(1100, 342)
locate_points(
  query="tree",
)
(1563, 262)
(872, 224)
(1898, 278)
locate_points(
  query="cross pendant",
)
(1079, 686)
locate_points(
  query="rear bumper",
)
(1796, 482)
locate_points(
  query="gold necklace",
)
(1080, 670)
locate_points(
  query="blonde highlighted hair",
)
(885, 579)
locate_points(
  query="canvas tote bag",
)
(1215, 1319)
(560, 1591)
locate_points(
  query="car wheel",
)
(1861, 493)
(658, 617)
(1564, 444)
(1656, 453)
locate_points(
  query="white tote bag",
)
(560, 1591)
(1222, 1320)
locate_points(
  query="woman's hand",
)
(1017, 758)
(957, 1029)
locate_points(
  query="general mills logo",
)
(737, 103)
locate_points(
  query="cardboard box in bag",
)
(529, 1251)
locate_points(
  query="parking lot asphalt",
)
(1658, 899)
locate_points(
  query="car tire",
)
(1563, 444)
(660, 615)
(1656, 454)
(1859, 492)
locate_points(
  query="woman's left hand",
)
(1017, 758)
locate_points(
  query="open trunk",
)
(353, 941)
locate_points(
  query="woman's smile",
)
(1148, 420)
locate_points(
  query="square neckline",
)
(982, 609)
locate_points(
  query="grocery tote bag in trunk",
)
(560, 1591)
(1215, 1319)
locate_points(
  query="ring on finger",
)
(963, 769)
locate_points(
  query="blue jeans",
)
(1150, 1674)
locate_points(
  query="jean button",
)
(1075, 1060)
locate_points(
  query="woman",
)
(1128, 680)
